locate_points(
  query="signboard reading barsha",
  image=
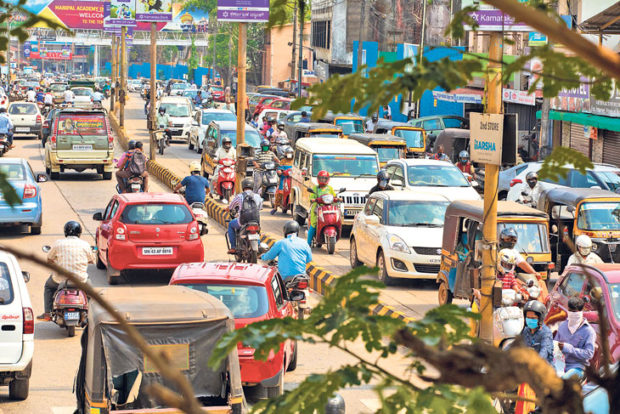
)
(486, 136)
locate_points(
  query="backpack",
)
(137, 163)
(250, 211)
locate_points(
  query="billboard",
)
(251, 11)
(188, 19)
(153, 10)
(120, 12)
(73, 14)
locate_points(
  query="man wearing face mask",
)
(584, 253)
(530, 194)
(576, 339)
(536, 334)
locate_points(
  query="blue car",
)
(30, 211)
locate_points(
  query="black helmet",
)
(247, 183)
(382, 175)
(538, 308)
(508, 238)
(335, 405)
(281, 126)
(291, 226)
(162, 109)
(2, 110)
(131, 144)
(73, 228)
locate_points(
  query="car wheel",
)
(502, 195)
(100, 264)
(18, 389)
(70, 331)
(444, 295)
(278, 390)
(36, 228)
(293, 365)
(112, 276)
(54, 175)
(383, 275)
(107, 175)
(353, 259)
(190, 146)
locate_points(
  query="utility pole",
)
(230, 46)
(293, 66)
(121, 96)
(241, 69)
(417, 103)
(113, 91)
(489, 226)
(360, 38)
(214, 40)
(302, 11)
(153, 124)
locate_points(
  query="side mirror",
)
(46, 248)
(310, 190)
(41, 178)
(373, 220)
(396, 182)
(297, 296)
(26, 276)
(304, 172)
(571, 209)
(342, 190)
(98, 216)
(524, 193)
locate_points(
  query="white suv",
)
(180, 113)
(17, 324)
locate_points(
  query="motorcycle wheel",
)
(253, 257)
(161, 148)
(272, 200)
(70, 331)
(331, 245)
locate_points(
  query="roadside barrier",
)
(320, 279)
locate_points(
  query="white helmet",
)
(194, 166)
(506, 261)
(584, 245)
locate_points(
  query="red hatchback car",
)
(146, 231)
(575, 282)
(253, 293)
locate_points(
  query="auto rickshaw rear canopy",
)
(571, 196)
(378, 139)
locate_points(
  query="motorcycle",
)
(70, 306)
(296, 288)
(133, 184)
(329, 221)
(200, 212)
(285, 192)
(4, 144)
(161, 136)
(225, 180)
(270, 183)
(249, 246)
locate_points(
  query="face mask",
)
(265, 149)
(382, 183)
(531, 323)
(574, 320)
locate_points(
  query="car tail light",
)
(70, 299)
(28, 321)
(252, 229)
(551, 266)
(120, 231)
(515, 181)
(111, 141)
(30, 191)
(39, 119)
(192, 231)
(53, 141)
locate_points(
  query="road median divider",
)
(320, 279)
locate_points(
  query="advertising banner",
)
(120, 12)
(519, 97)
(610, 107)
(250, 11)
(153, 10)
(573, 100)
(486, 138)
(188, 19)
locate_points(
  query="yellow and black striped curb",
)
(164, 175)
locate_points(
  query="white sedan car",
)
(400, 232)
(202, 119)
(431, 176)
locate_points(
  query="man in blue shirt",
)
(292, 252)
(194, 184)
(576, 339)
(6, 126)
(304, 117)
(536, 334)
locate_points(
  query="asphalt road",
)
(76, 196)
(411, 297)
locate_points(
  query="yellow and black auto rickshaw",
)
(313, 129)
(576, 211)
(415, 139)
(387, 146)
(114, 374)
(460, 266)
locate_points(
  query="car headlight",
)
(397, 244)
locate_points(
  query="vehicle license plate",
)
(350, 212)
(253, 237)
(82, 147)
(72, 316)
(435, 261)
(22, 129)
(156, 251)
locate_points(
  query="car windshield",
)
(614, 294)
(611, 178)
(58, 87)
(405, 213)
(453, 122)
(244, 301)
(251, 137)
(13, 172)
(6, 288)
(22, 109)
(531, 237)
(436, 176)
(191, 93)
(82, 124)
(179, 86)
(415, 139)
(207, 117)
(156, 214)
(82, 92)
(345, 165)
(599, 216)
(387, 153)
(175, 109)
(350, 126)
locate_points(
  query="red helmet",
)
(323, 177)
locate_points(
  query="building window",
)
(321, 31)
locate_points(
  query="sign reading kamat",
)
(486, 136)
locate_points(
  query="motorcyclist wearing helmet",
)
(264, 156)
(319, 190)
(531, 192)
(508, 240)
(73, 255)
(163, 121)
(383, 183)
(576, 339)
(464, 164)
(279, 136)
(286, 163)
(236, 209)
(371, 123)
(293, 253)
(583, 252)
(6, 126)
(226, 151)
(536, 334)
(506, 262)
(124, 159)
(195, 185)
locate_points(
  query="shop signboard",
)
(249, 11)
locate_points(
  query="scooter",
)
(133, 184)
(249, 246)
(4, 144)
(285, 192)
(161, 136)
(70, 307)
(329, 221)
(200, 212)
(270, 183)
(296, 289)
(225, 180)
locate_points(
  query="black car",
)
(47, 125)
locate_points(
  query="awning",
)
(601, 122)
(606, 22)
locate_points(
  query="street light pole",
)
(122, 94)
(152, 115)
(114, 69)
(302, 12)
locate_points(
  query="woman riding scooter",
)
(319, 190)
